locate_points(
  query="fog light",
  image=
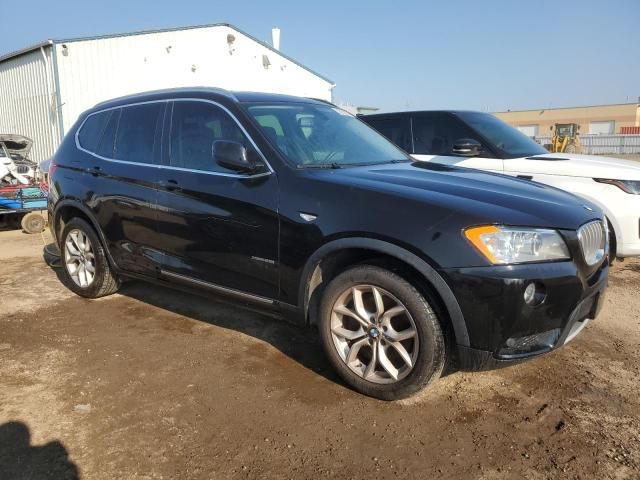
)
(530, 344)
(534, 294)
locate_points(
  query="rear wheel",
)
(380, 333)
(86, 270)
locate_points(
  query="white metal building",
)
(45, 87)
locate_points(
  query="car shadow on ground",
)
(19, 460)
(631, 267)
(298, 342)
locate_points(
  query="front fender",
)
(428, 272)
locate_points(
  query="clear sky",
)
(491, 54)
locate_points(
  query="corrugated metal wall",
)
(27, 101)
(604, 144)
(94, 70)
(91, 71)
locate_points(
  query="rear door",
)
(121, 167)
(435, 133)
(218, 228)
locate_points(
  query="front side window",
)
(311, 135)
(136, 132)
(503, 137)
(437, 133)
(195, 126)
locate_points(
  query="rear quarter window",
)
(91, 131)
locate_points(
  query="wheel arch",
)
(346, 252)
(67, 209)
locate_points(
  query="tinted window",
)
(506, 139)
(312, 135)
(92, 129)
(105, 145)
(136, 133)
(397, 129)
(435, 134)
(194, 128)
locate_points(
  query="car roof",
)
(202, 92)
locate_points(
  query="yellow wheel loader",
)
(565, 138)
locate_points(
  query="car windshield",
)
(312, 135)
(509, 141)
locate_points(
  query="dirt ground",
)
(154, 384)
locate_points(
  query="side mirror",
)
(234, 156)
(467, 147)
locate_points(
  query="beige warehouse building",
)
(595, 119)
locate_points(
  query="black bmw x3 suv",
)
(296, 206)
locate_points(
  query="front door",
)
(434, 135)
(218, 228)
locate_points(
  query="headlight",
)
(627, 186)
(504, 245)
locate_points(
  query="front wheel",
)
(86, 270)
(380, 333)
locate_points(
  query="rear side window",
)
(397, 129)
(92, 129)
(194, 128)
(136, 132)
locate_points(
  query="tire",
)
(424, 345)
(613, 243)
(570, 149)
(103, 282)
(33, 222)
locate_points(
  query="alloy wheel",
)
(374, 334)
(79, 258)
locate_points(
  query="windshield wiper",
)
(334, 165)
(402, 160)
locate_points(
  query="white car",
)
(15, 166)
(482, 141)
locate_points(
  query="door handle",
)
(171, 185)
(95, 171)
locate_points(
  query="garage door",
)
(601, 128)
(529, 130)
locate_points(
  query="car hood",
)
(575, 165)
(486, 197)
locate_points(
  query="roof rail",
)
(322, 100)
(133, 96)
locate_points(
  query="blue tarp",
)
(24, 198)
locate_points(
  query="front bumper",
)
(503, 329)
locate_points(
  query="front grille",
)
(22, 169)
(593, 240)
